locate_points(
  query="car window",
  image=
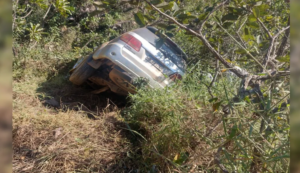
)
(174, 56)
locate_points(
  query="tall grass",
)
(184, 129)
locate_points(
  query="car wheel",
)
(122, 81)
(82, 72)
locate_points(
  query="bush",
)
(183, 127)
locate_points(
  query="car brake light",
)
(132, 41)
(175, 76)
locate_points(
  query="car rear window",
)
(172, 51)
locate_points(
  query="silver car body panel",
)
(137, 63)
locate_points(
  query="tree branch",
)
(265, 28)
(46, 14)
(237, 71)
(274, 75)
(27, 14)
(273, 39)
(284, 42)
(215, 9)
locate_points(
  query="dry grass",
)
(62, 140)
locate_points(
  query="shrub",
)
(184, 128)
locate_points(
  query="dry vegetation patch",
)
(47, 139)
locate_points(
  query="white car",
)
(117, 64)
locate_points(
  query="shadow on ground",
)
(59, 92)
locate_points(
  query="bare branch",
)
(215, 76)
(215, 9)
(242, 25)
(284, 41)
(281, 31)
(46, 14)
(271, 47)
(265, 28)
(274, 75)
(27, 14)
(238, 32)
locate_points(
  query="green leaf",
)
(179, 12)
(171, 6)
(139, 18)
(169, 34)
(149, 17)
(260, 11)
(156, 2)
(227, 24)
(171, 27)
(233, 131)
(208, 9)
(247, 99)
(162, 25)
(247, 36)
(203, 16)
(212, 100)
(230, 16)
(284, 58)
(216, 106)
(240, 51)
(269, 18)
(209, 25)
(253, 25)
(237, 11)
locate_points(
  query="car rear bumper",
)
(126, 60)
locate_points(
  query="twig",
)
(265, 28)
(27, 14)
(216, 74)
(46, 14)
(273, 39)
(238, 32)
(218, 161)
(284, 42)
(242, 25)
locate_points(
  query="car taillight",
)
(175, 76)
(132, 41)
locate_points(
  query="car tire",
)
(122, 81)
(82, 72)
